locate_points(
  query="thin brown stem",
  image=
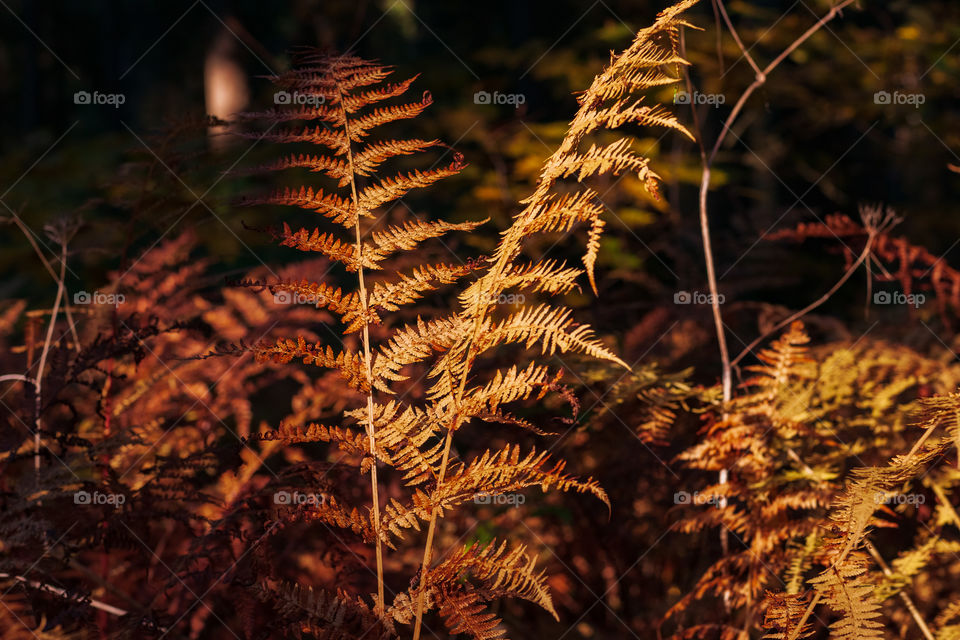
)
(53, 274)
(810, 307)
(428, 547)
(367, 361)
(48, 340)
(760, 78)
(907, 601)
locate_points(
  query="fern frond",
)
(329, 615)
(412, 232)
(499, 571)
(370, 156)
(390, 189)
(464, 612)
(415, 343)
(332, 206)
(361, 126)
(505, 471)
(284, 350)
(391, 296)
(551, 327)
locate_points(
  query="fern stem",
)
(431, 531)
(38, 387)
(907, 601)
(367, 358)
(813, 305)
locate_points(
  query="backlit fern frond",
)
(497, 570)
(610, 102)
(465, 612)
(341, 103)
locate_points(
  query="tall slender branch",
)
(367, 358)
(48, 340)
(760, 77)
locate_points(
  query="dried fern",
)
(343, 88)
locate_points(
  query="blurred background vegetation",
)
(811, 142)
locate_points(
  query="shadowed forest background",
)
(164, 397)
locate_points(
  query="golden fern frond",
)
(372, 155)
(505, 471)
(325, 243)
(851, 595)
(946, 630)
(284, 350)
(412, 232)
(464, 612)
(333, 167)
(542, 276)
(501, 472)
(780, 361)
(390, 296)
(403, 433)
(506, 386)
(347, 440)
(783, 612)
(353, 103)
(333, 139)
(415, 343)
(498, 571)
(318, 294)
(339, 210)
(360, 128)
(614, 159)
(843, 585)
(551, 327)
(394, 188)
(607, 103)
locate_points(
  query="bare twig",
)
(53, 274)
(864, 255)
(38, 400)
